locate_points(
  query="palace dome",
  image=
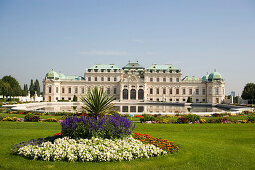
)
(214, 76)
(205, 78)
(52, 75)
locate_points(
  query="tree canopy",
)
(15, 89)
(249, 92)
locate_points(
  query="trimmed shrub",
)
(31, 118)
(182, 119)
(110, 127)
(74, 98)
(147, 117)
(192, 117)
(251, 118)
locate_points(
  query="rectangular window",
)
(76, 90)
(102, 78)
(177, 91)
(57, 98)
(115, 79)
(197, 100)
(151, 90)
(203, 100)
(157, 99)
(95, 78)
(63, 98)
(109, 78)
(63, 90)
(151, 79)
(56, 89)
(164, 79)
(216, 91)
(171, 79)
(171, 100)
(70, 90)
(69, 98)
(157, 79)
(151, 99)
(164, 90)
(171, 91)
(89, 78)
(177, 100)
(190, 91)
(177, 79)
(184, 91)
(49, 89)
(183, 100)
(203, 91)
(157, 90)
(108, 90)
(197, 91)
(115, 90)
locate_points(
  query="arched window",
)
(125, 94)
(133, 94)
(140, 94)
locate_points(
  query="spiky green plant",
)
(97, 103)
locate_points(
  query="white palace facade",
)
(134, 83)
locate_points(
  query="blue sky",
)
(69, 36)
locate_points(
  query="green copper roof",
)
(191, 79)
(133, 66)
(104, 66)
(214, 76)
(161, 67)
(52, 74)
(205, 77)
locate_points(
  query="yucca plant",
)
(97, 102)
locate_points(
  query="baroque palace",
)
(134, 83)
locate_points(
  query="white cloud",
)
(104, 53)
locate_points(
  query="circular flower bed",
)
(94, 149)
(89, 139)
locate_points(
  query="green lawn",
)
(203, 146)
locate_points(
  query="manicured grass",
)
(202, 146)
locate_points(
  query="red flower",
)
(58, 134)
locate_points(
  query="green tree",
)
(249, 92)
(31, 88)
(15, 89)
(25, 90)
(37, 87)
(97, 103)
(4, 88)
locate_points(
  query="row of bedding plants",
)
(194, 119)
(98, 137)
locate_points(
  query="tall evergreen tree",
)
(15, 89)
(37, 87)
(25, 90)
(31, 88)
